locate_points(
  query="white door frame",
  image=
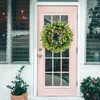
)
(35, 44)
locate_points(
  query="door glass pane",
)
(56, 54)
(56, 64)
(64, 18)
(57, 79)
(48, 79)
(47, 19)
(48, 53)
(65, 65)
(65, 79)
(56, 17)
(65, 53)
(48, 65)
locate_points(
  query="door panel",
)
(57, 71)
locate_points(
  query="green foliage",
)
(90, 87)
(19, 85)
(56, 36)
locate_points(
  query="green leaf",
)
(22, 68)
(92, 87)
(19, 85)
(10, 87)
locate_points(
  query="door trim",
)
(57, 3)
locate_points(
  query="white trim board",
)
(9, 25)
(58, 3)
(35, 49)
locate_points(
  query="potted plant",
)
(19, 88)
(90, 88)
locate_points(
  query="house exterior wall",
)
(8, 71)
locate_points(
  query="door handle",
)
(40, 55)
(40, 49)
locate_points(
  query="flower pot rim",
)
(18, 95)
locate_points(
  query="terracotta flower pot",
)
(20, 97)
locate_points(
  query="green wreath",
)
(56, 36)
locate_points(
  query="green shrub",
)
(90, 88)
(20, 86)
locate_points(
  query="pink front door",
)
(57, 71)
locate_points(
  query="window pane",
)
(47, 19)
(57, 65)
(20, 48)
(64, 18)
(48, 65)
(59, 0)
(48, 79)
(48, 53)
(57, 79)
(20, 14)
(65, 65)
(3, 29)
(56, 17)
(93, 31)
(57, 54)
(65, 53)
(65, 79)
(20, 33)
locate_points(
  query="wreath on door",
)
(56, 36)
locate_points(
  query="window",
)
(93, 31)
(59, 0)
(3, 30)
(20, 14)
(20, 30)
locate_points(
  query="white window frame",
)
(10, 31)
(82, 38)
(85, 45)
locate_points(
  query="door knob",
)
(40, 49)
(40, 55)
